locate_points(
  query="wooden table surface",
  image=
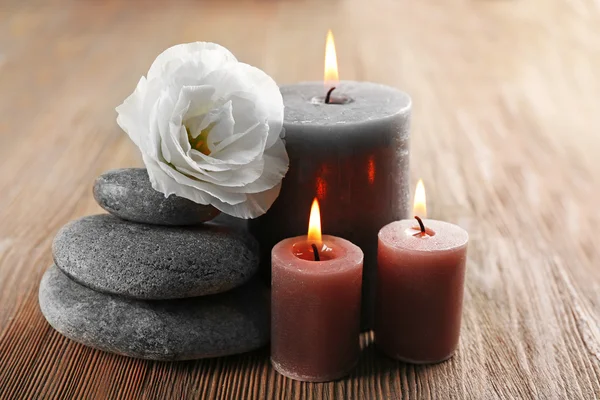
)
(506, 135)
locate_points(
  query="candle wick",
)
(420, 221)
(328, 96)
(316, 252)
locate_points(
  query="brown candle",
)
(315, 305)
(421, 269)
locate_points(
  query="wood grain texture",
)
(506, 135)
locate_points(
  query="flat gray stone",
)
(200, 327)
(143, 261)
(128, 194)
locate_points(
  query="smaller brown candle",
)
(315, 305)
(421, 270)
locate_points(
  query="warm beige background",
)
(506, 135)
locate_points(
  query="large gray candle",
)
(353, 154)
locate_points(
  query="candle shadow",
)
(373, 363)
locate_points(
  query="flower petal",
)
(216, 177)
(255, 205)
(276, 163)
(268, 97)
(193, 101)
(248, 146)
(243, 78)
(163, 183)
(234, 180)
(129, 113)
(188, 186)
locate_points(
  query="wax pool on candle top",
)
(354, 156)
(420, 290)
(315, 309)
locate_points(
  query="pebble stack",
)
(156, 278)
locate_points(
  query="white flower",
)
(208, 128)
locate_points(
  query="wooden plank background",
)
(506, 135)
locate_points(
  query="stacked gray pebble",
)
(128, 194)
(155, 278)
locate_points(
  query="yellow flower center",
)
(200, 142)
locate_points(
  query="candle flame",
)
(420, 205)
(331, 68)
(314, 223)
